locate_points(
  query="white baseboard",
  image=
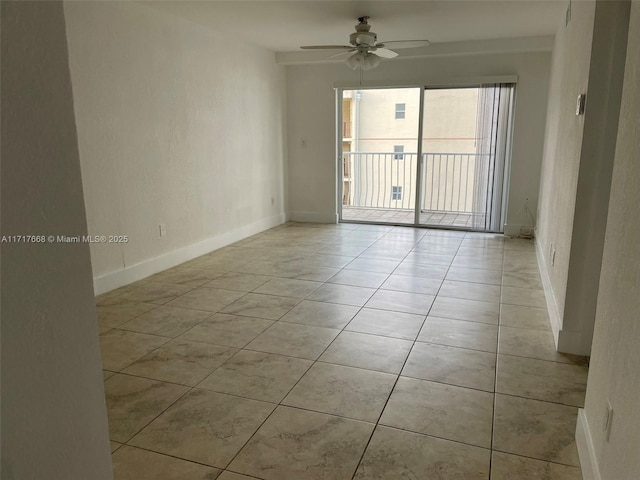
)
(567, 341)
(133, 273)
(552, 305)
(586, 451)
(313, 217)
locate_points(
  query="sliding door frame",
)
(419, 182)
(340, 87)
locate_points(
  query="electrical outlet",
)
(608, 419)
(162, 229)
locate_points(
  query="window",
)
(398, 152)
(400, 110)
(396, 193)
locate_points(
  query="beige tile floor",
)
(336, 352)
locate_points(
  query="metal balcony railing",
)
(388, 180)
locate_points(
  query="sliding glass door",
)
(379, 158)
(454, 177)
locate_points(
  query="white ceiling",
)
(283, 26)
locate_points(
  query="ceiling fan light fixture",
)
(363, 60)
(371, 61)
(355, 60)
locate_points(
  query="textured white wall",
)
(608, 55)
(311, 117)
(176, 125)
(54, 421)
(614, 373)
(590, 55)
(563, 140)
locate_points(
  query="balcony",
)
(381, 187)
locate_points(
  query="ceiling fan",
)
(365, 47)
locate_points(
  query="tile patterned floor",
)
(336, 352)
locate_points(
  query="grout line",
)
(433, 436)
(537, 459)
(495, 379)
(542, 359)
(156, 416)
(364, 451)
(169, 455)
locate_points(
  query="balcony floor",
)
(396, 215)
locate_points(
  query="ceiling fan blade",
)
(385, 53)
(341, 53)
(327, 47)
(404, 44)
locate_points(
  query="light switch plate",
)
(580, 103)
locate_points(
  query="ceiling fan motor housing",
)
(363, 38)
